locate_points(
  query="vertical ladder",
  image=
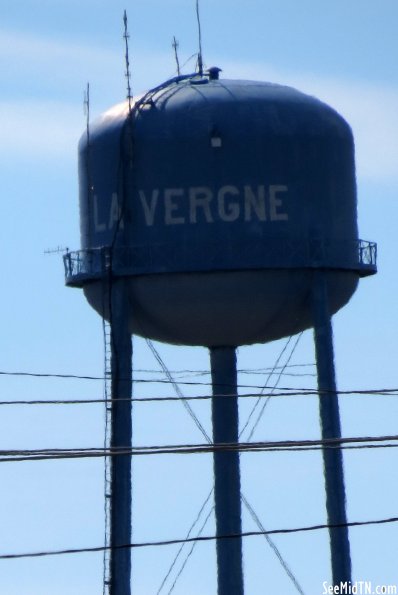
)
(107, 460)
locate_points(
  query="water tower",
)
(219, 213)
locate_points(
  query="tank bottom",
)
(223, 308)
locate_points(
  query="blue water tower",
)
(222, 213)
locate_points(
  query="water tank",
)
(216, 200)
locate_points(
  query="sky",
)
(344, 52)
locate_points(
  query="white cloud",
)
(39, 130)
(41, 125)
(25, 50)
(41, 109)
(44, 67)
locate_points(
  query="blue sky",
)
(343, 52)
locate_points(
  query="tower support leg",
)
(121, 437)
(226, 471)
(330, 428)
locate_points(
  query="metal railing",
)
(270, 253)
(367, 253)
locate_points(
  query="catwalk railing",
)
(90, 264)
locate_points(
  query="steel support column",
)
(121, 436)
(330, 427)
(226, 471)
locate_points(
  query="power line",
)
(361, 442)
(239, 370)
(381, 391)
(255, 371)
(135, 380)
(202, 538)
(291, 393)
(51, 375)
(300, 393)
(292, 390)
(146, 399)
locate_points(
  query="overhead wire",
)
(263, 532)
(149, 371)
(252, 371)
(378, 391)
(203, 538)
(289, 391)
(190, 553)
(166, 399)
(150, 399)
(359, 442)
(392, 391)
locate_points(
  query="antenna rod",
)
(175, 46)
(200, 54)
(127, 73)
(56, 250)
(86, 106)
